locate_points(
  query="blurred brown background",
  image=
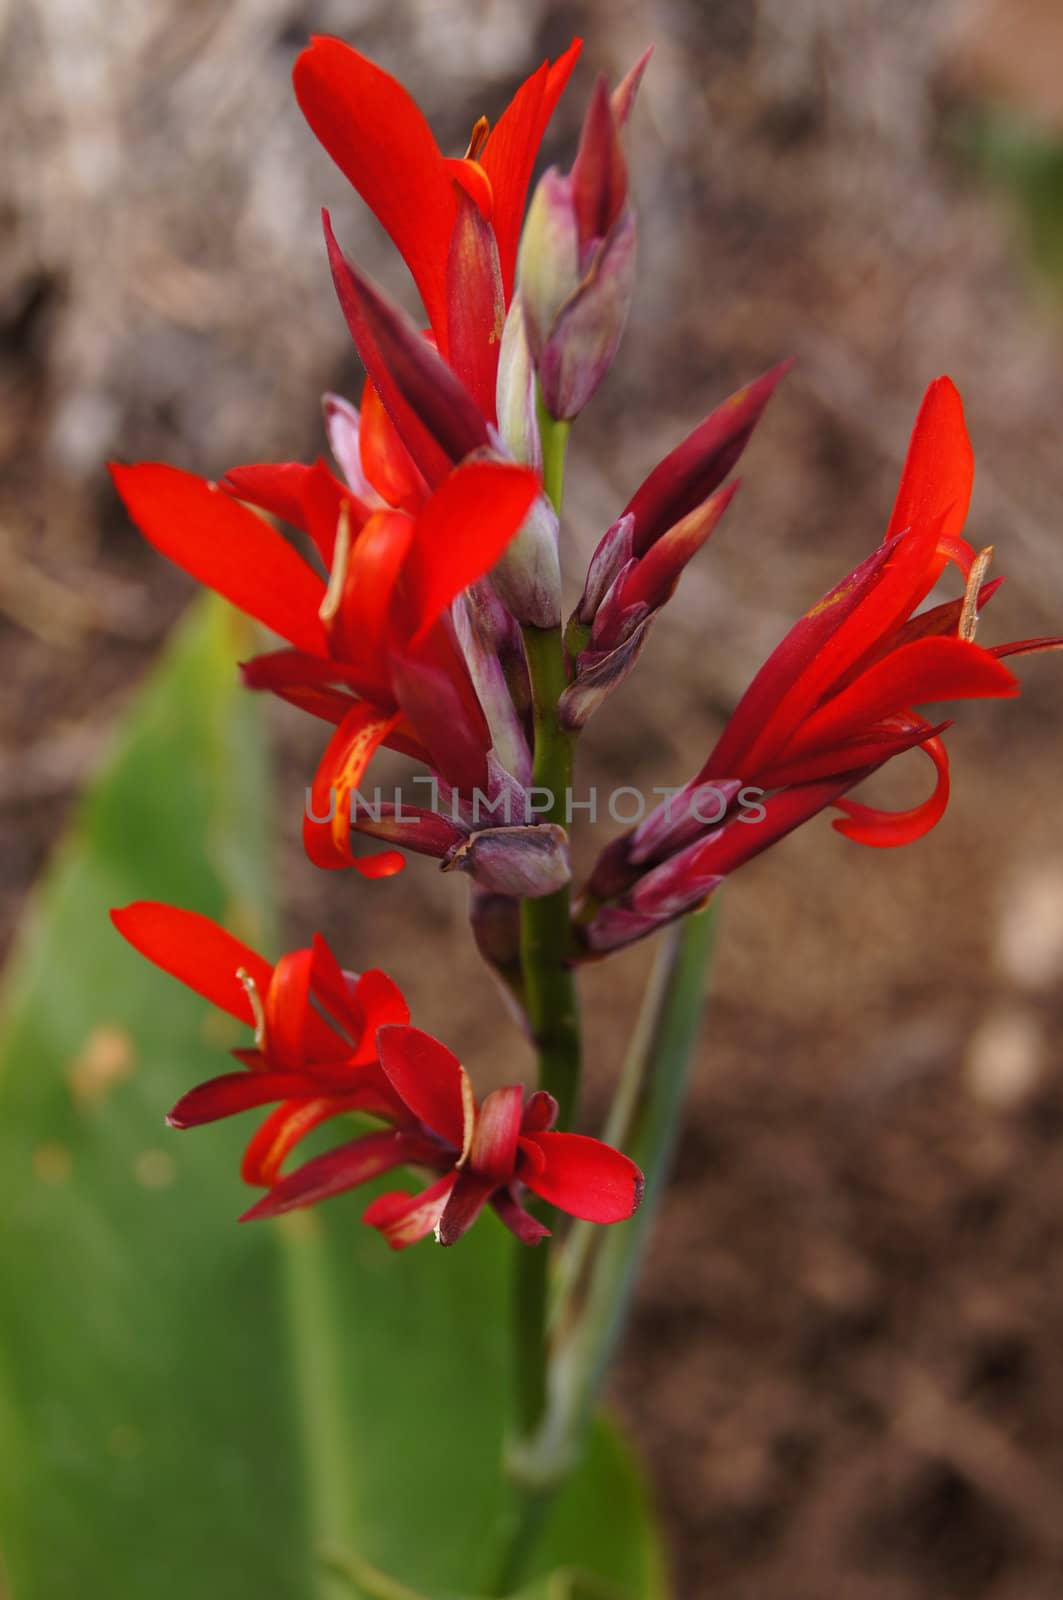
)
(845, 1365)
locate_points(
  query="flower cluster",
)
(328, 1043)
(421, 610)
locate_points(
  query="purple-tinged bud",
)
(527, 575)
(598, 675)
(525, 862)
(614, 551)
(518, 423)
(492, 690)
(576, 266)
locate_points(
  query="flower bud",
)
(576, 266)
(523, 862)
(527, 575)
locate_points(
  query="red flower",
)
(835, 701)
(455, 222)
(315, 1030)
(485, 1155)
(373, 649)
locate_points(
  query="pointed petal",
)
(234, 1092)
(404, 1219)
(888, 829)
(376, 135)
(386, 462)
(476, 309)
(699, 465)
(587, 1178)
(428, 1078)
(528, 1229)
(655, 577)
(626, 91)
(193, 949)
(599, 172)
(437, 419)
(494, 1140)
(917, 674)
(273, 486)
(343, 1168)
(939, 468)
(509, 155)
(379, 1003)
(224, 545)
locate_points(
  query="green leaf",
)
(192, 1407)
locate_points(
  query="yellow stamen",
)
(468, 1109)
(968, 623)
(258, 1011)
(477, 138)
(338, 576)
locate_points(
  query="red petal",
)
(404, 1219)
(917, 674)
(427, 1077)
(440, 704)
(375, 576)
(540, 1113)
(764, 704)
(276, 487)
(386, 461)
(339, 773)
(939, 469)
(227, 547)
(380, 1004)
(378, 138)
(509, 154)
(234, 1092)
(343, 1168)
(887, 829)
(463, 529)
(528, 1229)
(476, 308)
(193, 949)
(586, 1178)
(494, 1141)
(282, 1131)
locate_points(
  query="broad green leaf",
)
(192, 1407)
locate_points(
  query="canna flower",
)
(373, 649)
(839, 697)
(314, 1055)
(455, 222)
(485, 1154)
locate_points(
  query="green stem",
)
(599, 1266)
(554, 437)
(549, 994)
